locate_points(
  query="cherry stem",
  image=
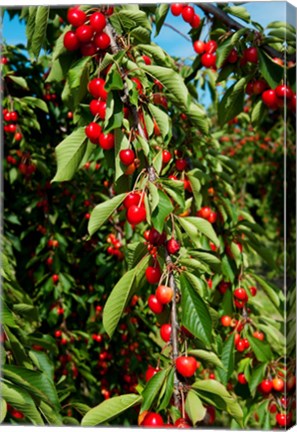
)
(183, 402)
(174, 326)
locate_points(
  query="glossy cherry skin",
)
(96, 88)
(76, 17)
(177, 8)
(106, 141)
(154, 304)
(136, 215)
(165, 332)
(153, 274)
(266, 386)
(208, 60)
(199, 47)
(172, 246)
(127, 156)
(102, 40)
(188, 13)
(133, 198)
(240, 294)
(97, 21)
(84, 33)
(150, 372)
(186, 366)
(93, 131)
(71, 41)
(152, 420)
(241, 378)
(166, 157)
(164, 294)
(226, 320)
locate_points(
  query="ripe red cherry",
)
(204, 212)
(281, 419)
(88, 49)
(58, 333)
(240, 346)
(7, 116)
(154, 304)
(127, 156)
(136, 215)
(208, 60)
(258, 335)
(14, 116)
(199, 47)
(96, 88)
(165, 332)
(164, 294)
(93, 131)
(259, 86)
(182, 423)
(177, 8)
(211, 46)
(131, 199)
(223, 287)
(138, 84)
(84, 33)
(240, 294)
(253, 290)
(266, 386)
(188, 13)
(102, 40)
(76, 17)
(251, 55)
(97, 21)
(18, 136)
(212, 217)
(152, 420)
(106, 141)
(153, 274)
(71, 42)
(278, 384)
(241, 378)
(172, 246)
(55, 278)
(232, 57)
(146, 60)
(95, 106)
(186, 366)
(195, 23)
(272, 407)
(283, 91)
(101, 109)
(155, 238)
(150, 372)
(180, 164)
(226, 320)
(166, 157)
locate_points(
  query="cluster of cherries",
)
(207, 50)
(134, 205)
(208, 214)
(278, 97)
(88, 33)
(115, 246)
(187, 12)
(11, 127)
(23, 160)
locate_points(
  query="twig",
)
(177, 31)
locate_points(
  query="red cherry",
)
(211, 46)
(212, 217)
(246, 342)
(199, 47)
(233, 56)
(172, 246)
(180, 164)
(14, 116)
(239, 303)
(11, 128)
(283, 91)
(84, 33)
(188, 13)
(96, 88)
(154, 304)
(139, 86)
(165, 332)
(76, 17)
(109, 11)
(240, 294)
(166, 157)
(258, 335)
(182, 423)
(18, 136)
(253, 291)
(136, 215)
(164, 294)
(102, 40)
(186, 366)
(177, 8)
(278, 384)
(272, 408)
(58, 333)
(241, 378)
(93, 132)
(55, 278)
(259, 86)
(266, 386)
(127, 156)
(195, 23)
(153, 274)
(208, 60)
(133, 198)
(281, 419)
(152, 420)
(226, 320)
(102, 109)
(106, 141)
(240, 346)
(204, 212)
(146, 60)
(97, 21)
(223, 287)
(7, 116)
(95, 106)
(150, 372)
(88, 49)
(251, 55)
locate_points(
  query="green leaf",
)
(157, 162)
(257, 376)
(208, 356)
(114, 112)
(261, 349)
(227, 357)
(223, 52)
(153, 50)
(161, 118)
(210, 259)
(176, 190)
(160, 15)
(196, 187)
(113, 80)
(30, 25)
(154, 196)
(238, 11)
(20, 81)
(194, 407)
(169, 390)
(39, 34)
(21, 400)
(213, 386)
(3, 410)
(133, 18)
(198, 117)
(195, 315)
(103, 211)
(152, 389)
(196, 283)
(35, 102)
(269, 290)
(204, 227)
(227, 269)
(76, 72)
(69, 154)
(257, 114)
(121, 143)
(109, 409)
(162, 211)
(271, 71)
(232, 102)
(172, 83)
(42, 362)
(117, 301)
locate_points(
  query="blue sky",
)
(262, 12)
